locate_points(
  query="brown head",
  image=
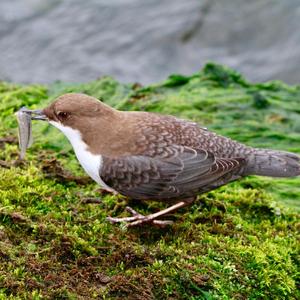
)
(77, 110)
(102, 128)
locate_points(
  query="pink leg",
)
(138, 219)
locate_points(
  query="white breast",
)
(90, 162)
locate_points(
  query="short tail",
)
(272, 163)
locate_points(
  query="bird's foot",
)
(139, 219)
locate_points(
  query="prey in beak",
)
(24, 117)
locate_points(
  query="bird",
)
(151, 156)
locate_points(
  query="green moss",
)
(238, 242)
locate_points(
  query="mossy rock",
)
(238, 242)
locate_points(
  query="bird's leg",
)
(138, 219)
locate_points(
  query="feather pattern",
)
(178, 172)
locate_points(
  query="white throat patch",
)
(91, 163)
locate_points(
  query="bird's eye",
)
(62, 115)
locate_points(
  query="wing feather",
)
(179, 172)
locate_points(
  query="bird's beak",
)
(36, 114)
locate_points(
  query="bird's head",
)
(72, 109)
(78, 113)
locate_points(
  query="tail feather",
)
(272, 163)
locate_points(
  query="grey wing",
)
(179, 172)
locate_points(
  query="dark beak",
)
(36, 114)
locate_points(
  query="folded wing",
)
(179, 172)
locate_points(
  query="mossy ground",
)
(238, 242)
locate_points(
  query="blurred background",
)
(145, 41)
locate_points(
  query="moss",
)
(238, 242)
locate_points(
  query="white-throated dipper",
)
(149, 156)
